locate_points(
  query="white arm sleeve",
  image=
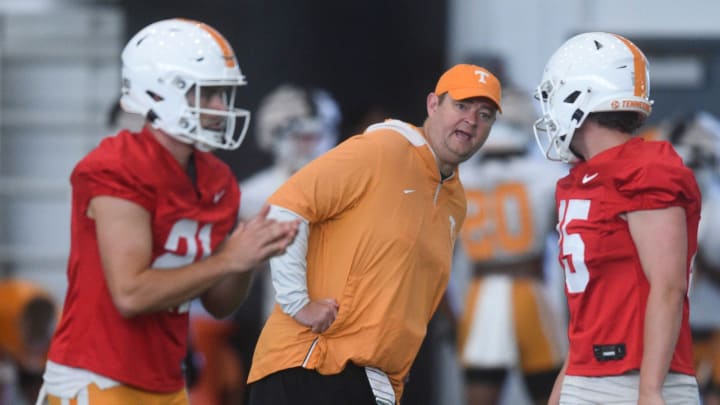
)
(289, 270)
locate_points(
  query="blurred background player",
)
(506, 321)
(28, 316)
(216, 373)
(295, 124)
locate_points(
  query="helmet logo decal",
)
(227, 51)
(639, 68)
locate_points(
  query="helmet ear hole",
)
(572, 97)
(179, 83)
(577, 115)
(154, 96)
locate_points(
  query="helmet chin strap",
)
(203, 147)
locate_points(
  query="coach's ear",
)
(432, 102)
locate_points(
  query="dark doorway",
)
(684, 75)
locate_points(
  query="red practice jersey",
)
(605, 284)
(188, 222)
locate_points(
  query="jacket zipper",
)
(307, 356)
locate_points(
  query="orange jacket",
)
(382, 230)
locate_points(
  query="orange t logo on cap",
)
(464, 81)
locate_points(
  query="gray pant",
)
(678, 389)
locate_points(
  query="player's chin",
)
(215, 127)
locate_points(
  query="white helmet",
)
(505, 138)
(590, 72)
(167, 59)
(511, 131)
(297, 124)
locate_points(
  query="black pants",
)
(299, 386)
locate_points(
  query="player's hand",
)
(257, 240)
(318, 315)
(650, 397)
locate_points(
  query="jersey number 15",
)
(572, 247)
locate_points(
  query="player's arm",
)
(557, 387)
(124, 234)
(289, 278)
(660, 237)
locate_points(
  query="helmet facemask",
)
(561, 115)
(213, 128)
(300, 141)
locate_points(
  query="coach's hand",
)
(318, 315)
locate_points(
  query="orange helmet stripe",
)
(227, 51)
(640, 66)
